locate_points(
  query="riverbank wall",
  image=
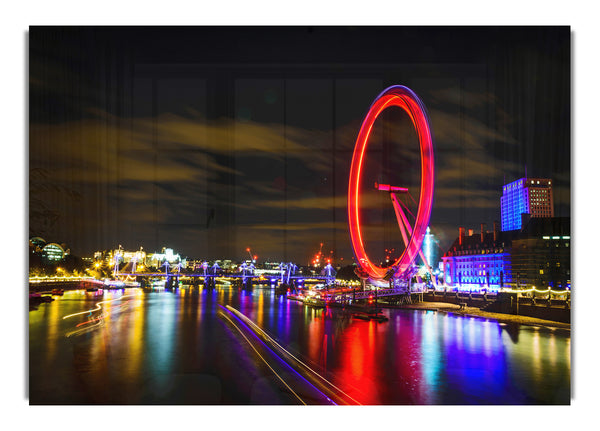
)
(508, 303)
(45, 286)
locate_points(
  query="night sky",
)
(210, 140)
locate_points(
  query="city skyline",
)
(182, 154)
(210, 140)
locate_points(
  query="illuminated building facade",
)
(541, 256)
(476, 262)
(54, 252)
(167, 255)
(105, 256)
(36, 244)
(531, 196)
(50, 252)
(128, 256)
(120, 255)
(537, 255)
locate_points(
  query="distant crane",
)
(252, 258)
(318, 257)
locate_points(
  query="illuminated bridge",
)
(246, 275)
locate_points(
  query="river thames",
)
(186, 347)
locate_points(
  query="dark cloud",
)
(148, 137)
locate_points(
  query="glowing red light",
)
(404, 98)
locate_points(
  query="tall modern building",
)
(531, 196)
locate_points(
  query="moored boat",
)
(314, 302)
(377, 317)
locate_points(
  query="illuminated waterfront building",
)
(541, 256)
(51, 252)
(103, 256)
(123, 256)
(36, 244)
(155, 259)
(128, 256)
(476, 262)
(531, 196)
(531, 249)
(195, 264)
(268, 268)
(537, 255)
(54, 252)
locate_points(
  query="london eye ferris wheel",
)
(413, 232)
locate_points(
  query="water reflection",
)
(431, 362)
(171, 347)
(136, 320)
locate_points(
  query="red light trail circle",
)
(406, 99)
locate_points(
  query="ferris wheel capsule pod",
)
(391, 189)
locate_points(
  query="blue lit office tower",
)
(531, 196)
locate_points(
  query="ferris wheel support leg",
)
(403, 221)
(401, 217)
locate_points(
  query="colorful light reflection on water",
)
(172, 348)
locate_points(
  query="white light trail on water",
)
(257, 328)
(98, 307)
(100, 322)
(263, 359)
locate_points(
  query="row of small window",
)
(476, 273)
(471, 267)
(477, 251)
(481, 263)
